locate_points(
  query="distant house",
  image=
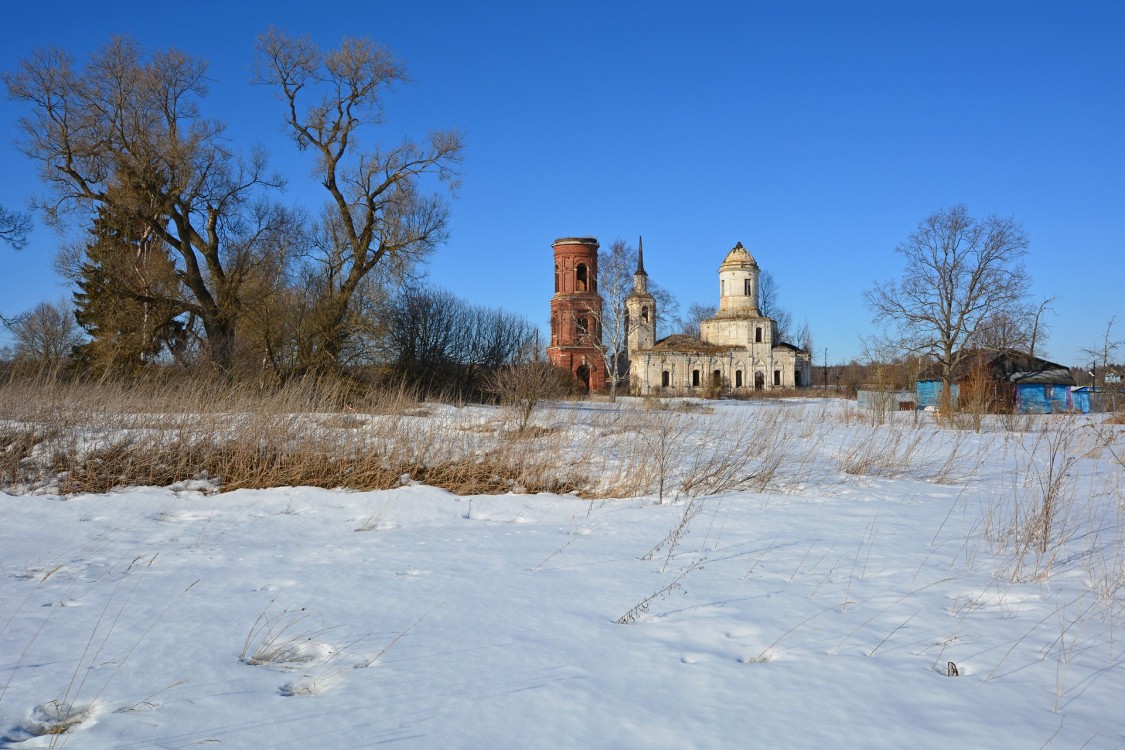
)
(1016, 382)
(1092, 399)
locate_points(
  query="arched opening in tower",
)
(583, 375)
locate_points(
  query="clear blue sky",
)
(816, 133)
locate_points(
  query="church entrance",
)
(759, 381)
(583, 375)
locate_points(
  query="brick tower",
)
(576, 312)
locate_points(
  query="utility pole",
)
(826, 368)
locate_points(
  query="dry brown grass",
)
(92, 438)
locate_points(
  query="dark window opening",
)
(746, 287)
(777, 377)
(695, 378)
(738, 378)
(759, 381)
(665, 379)
(644, 313)
(580, 278)
(758, 335)
(556, 279)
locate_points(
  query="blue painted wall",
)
(1037, 398)
(1087, 400)
(929, 393)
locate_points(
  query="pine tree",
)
(126, 282)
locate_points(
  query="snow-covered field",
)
(823, 611)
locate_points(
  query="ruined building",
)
(738, 349)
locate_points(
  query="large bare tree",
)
(125, 131)
(960, 271)
(379, 211)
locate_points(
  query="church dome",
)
(738, 258)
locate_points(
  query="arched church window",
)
(738, 378)
(644, 313)
(777, 377)
(556, 279)
(583, 325)
(758, 335)
(695, 378)
(580, 278)
(746, 287)
(665, 379)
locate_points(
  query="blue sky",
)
(818, 134)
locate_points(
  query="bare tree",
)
(769, 304)
(1022, 330)
(1039, 328)
(125, 131)
(667, 310)
(378, 211)
(45, 337)
(615, 281)
(959, 272)
(1105, 353)
(523, 386)
(696, 314)
(14, 228)
(806, 337)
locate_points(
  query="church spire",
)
(640, 257)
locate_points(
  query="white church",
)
(738, 349)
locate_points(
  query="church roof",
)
(739, 257)
(680, 342)
(575, 241)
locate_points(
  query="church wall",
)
(737, 371)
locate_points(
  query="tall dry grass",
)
(75, 438)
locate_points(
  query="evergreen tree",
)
(126, 279)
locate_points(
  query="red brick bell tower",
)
(576, 312)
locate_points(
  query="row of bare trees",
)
(190, 252)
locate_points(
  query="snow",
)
(821, 612)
